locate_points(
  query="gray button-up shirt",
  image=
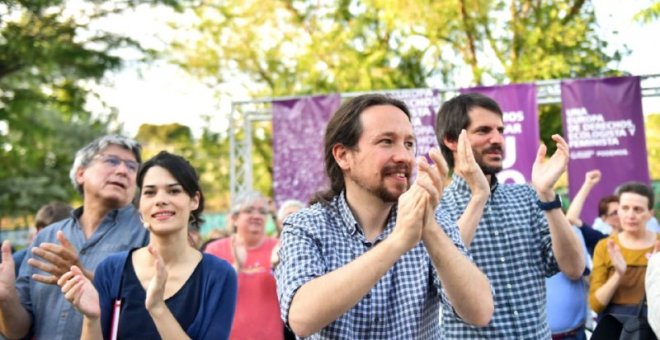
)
(52, 316)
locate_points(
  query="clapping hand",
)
(78, 290)
(58, 259)
(618, 261)
(156, 288)
(545, 173)
(7, 272)
(410, 215)
(431, 178)
(467, 167)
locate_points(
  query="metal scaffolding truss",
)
(245, 113)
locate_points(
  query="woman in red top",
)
(249, 250)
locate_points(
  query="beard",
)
(385, 195)
(380, 190)
(488, 169)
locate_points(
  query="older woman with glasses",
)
(167, 290)
(249, 250)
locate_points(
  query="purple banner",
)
(604, 125)
(298, 130)
(521, 128)
(423, 106)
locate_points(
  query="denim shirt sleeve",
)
(23, 281)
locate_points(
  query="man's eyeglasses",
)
(112, 161)
(252, 210)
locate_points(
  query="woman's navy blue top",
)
(135, 321)
(204, 306)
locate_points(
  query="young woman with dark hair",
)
(168, 289)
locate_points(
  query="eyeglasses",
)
(252, 210)
(112, 161)
(613, 213)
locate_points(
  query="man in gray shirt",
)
(104, 173)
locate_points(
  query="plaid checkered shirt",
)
(512, 247)
(404, 304)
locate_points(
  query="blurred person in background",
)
(590, 235)
(608, 221)
(287, 208)
(617, 280)
(46, 215)
(249, 251)
(567, 307)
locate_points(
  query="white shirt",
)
(653, 292)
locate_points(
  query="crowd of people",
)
(394, 248)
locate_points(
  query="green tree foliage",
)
(50, 56)
(207, 154)
(649, 14)
(262, 158)
(294, 47)
(301, 47)
(652, 131)
(168, 135)
(550, 120)
(212, 162)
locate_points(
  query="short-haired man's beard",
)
(488, 169)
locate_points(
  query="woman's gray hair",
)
(246, 199)
(84, 156)
(288, 204)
